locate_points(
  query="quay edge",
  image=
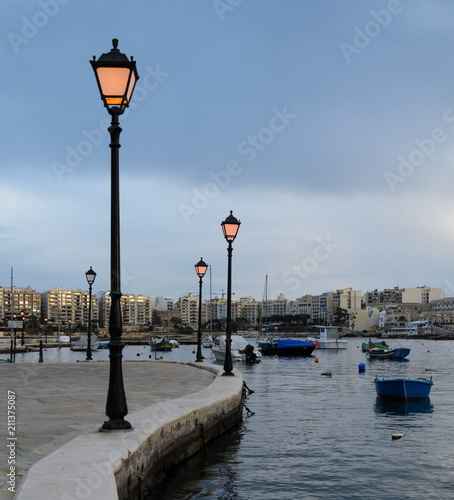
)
(122, 465)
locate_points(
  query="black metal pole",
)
(89, 357)
(228, 367)
(199, 333)
(116, 406)
(41, 358)
(22, 341)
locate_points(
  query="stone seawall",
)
(122, 464)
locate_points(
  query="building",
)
(347, 299)
(421, 295)
(62, 307)
(20, 299)
(136, 310)
(188, 305)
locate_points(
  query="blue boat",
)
(388, 352)
(403, 389)
(288, 347)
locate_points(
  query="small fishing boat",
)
(240, 349)
(388, 352)
(365, 346)
(403, 389)
(103, 344)
(160, 344)
(288, 347)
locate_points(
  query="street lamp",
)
(45, 328)
(90, 275)
(22, 342)
(116, 77)
(230, 229)
(200, 269)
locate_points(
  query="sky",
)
(327, 127)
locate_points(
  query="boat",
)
(403, 389)
(241, 349)
(288, 347)
(208, 342)
(103, 344)
(388, 353)
(160, 344)
(330, 338)
(82, 343)
(365, 346)
(174, 343)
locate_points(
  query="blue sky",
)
(327, 127)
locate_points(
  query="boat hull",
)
(288, 348)
(398, 353)
(401, 389)
(332, 344)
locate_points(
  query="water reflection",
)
(383, 406)
(211, 473)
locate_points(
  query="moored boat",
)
(403, 389)
(365, 346)
(288, 347)
(388, 353)
(241, 349)
(160, 344)
(330, 338)
(82, 343)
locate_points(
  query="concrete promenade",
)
(58, 409)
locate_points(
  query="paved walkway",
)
(57, 402)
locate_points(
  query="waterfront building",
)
(364, 320)
(188, 305)
(161, 303)
(136, 310)
(21, 299)
(421, 295)
(62, 306)
(250, 310)
(347, 299)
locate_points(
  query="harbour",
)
(310, 436)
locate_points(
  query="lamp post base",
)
(228, 374)
(116, 424)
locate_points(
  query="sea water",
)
(315, 436)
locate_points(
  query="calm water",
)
(318, 437)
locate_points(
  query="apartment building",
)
(421, 295)
(136, 310)
(161, 303)
(62, 306)
(20, 299)
(188, 305)
(347, 299)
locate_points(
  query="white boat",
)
(207, 342)
(238, 349)
(330, 338)
(82, 343)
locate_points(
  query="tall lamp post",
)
(230, 229)
(90, 275)
(200, 269)
(45, 329)
(22, 341)
(116, 77)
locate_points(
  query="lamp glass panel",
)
(113, 83)
(201, 270)
(230, 231)
(132, 84)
